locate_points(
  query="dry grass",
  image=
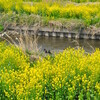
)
(26, 41)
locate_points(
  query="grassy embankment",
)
(68, 14)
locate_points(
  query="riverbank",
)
(77, 34)
(29, 72)
(70, 16)
(71, 28)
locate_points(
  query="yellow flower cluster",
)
(69, 11)
(10, 5)
(68, 75)
(88, 12)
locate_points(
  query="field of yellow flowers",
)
(89, 12)
(70, 75)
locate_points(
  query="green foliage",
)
(1, 28)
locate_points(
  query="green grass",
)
(1, 28)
